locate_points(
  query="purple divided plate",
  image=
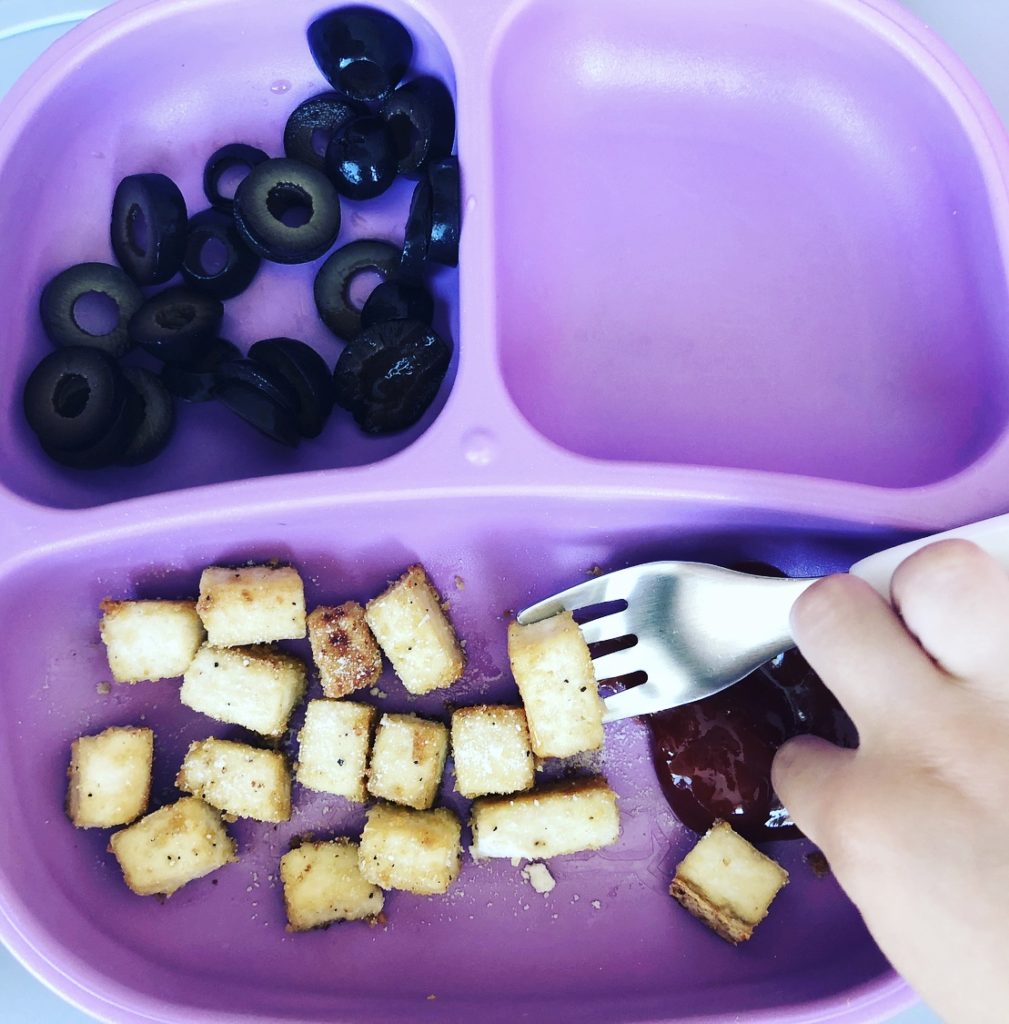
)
(732, 287)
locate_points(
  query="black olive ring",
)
(332, 283)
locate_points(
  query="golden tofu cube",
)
(172, 846)
(407, 760)
(110, 777)
(411, 627)
(343, 648)
(257, 687)
(552, 667)
(150, 639)
(323, 883)
(256, 604)
(566, 817)
(490, 747)
(727, 883)
(333, 747)
(239, 780)
(417, 851)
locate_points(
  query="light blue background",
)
(977, 29)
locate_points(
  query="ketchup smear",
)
(713, 757)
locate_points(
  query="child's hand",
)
(915, 823)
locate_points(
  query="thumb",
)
(806, 774)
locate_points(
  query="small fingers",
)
(805, 771)
(955, 599)
(860, 648)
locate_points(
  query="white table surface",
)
(977, 29)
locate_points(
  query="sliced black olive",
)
(314, 123)
(109, 449)
(73, 397)
(363, 52)
(397, 300)
(418, 230)
(227, 159)
(177, 324)
(217, 259)
(287, 211)
(149, 227)
(421, 118)
(259, 409)
(332, 283)
(390, 373)
(361, 159)
(251, 374)
(157, 419)
(446, 212)
(306, 372)
(195, 382)
(90, 304)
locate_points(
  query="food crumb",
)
(539, 877)
(594, 570)
(376, 692)
(431, 997)
(460, 583)
(819, 864)
(103, 688)
(597, 905)
(575, 898)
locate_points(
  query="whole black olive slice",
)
(177, 324)
(363, 52)
(287, 212)
(306, 371)
(390, 373)
(332, 283)
(149, 227)
(227, 160)
(90, 304)
(217, 259)
(313, 124)
(421, 118)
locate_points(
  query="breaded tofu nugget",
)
(150, 639)
(412, 629)
(110, 777)
(323, 883)
(552, 667)
(417, 851)
(256, 604)
(239, 780)
(333, 747)
(407, 760)
(491, 751)
(343, 648)
(727, 883)
(563, 818)
(257, 687)
(172, 846)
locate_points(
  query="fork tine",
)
(610, 587)
(638, 700)
(619, 663)
(609, 627)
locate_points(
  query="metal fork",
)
(701, 628)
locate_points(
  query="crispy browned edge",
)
(416, 576)
(73, 761)
(720, 921)
(346, 640)
(342, 841)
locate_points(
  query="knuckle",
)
(829, 608)
(938, 567)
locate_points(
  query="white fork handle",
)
(990, 534)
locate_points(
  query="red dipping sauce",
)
(713, 757)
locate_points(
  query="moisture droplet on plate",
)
(280, 86)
